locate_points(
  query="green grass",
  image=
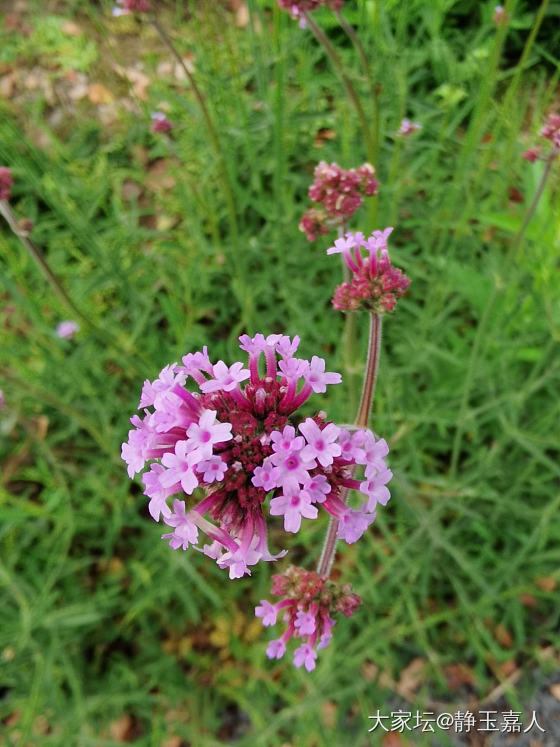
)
(99, 617)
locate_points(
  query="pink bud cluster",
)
(125, 7)
(160, 123)
(375, 285)
(339, 193)
(308, 602)
(550, 131)
(238, 439)
(6, 182)
(297, 8)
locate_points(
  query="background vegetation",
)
(109, 636)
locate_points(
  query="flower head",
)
(125, 7)
(374, 285)
(297, 8)
(67, 330)
(407, 127)
(160, 123)
(338, 193)
(500, 17)
(6, 182)
(234, 440)
(307, 606)
(551, 130)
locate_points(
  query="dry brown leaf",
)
(369, 671)
(130, 190)
(458, 675)
(546, 583)
(99, 94)
(322, 137)
(8, 85)
(503, 636)
(411, 678)
(172, 742)
(555, 690)
(329, 713)
(392, 739)
(123, 728)
(71, 29)
(528, 600)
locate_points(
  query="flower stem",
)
(53, 281)
(374, 89)
(362, 418)
(243, 295)
(348, 86)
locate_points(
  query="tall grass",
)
(100, 618)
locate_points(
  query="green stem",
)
(481, 329)
(243, 296)
(347, 83)
(362, 418)
(374, 89)
(53, 281)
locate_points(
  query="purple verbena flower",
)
(307, 605)
(337, 194)
(6, 182)
(67, 330)
(375, 285)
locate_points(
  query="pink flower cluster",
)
(67, 330)
(339, 192)
(500, 17)
(375, 284)
(551, 131)
(407, 127)
(125, 7)
(308, 602)
(238, 439)
(160, 123)
(298, 8)
(6, 182)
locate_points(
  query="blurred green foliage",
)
(107, 632)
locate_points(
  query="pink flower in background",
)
(551, 130)
(6, 182)
(308, 603)
(67, 330)
(297, 8)
(338, 193)
(125, 7)
(375, 285)
(532, 154)
(407, 127)
(160, 123)
(500, 17)
(237, 437)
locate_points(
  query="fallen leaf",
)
(503, 636)
(458, 675)
(411, 678)
(555, 690)
(329, 712)
(528, 600)
(392, 739)
(323, 135)
(99, 94)
(71, 29)
(546, 583)
(369, 671)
